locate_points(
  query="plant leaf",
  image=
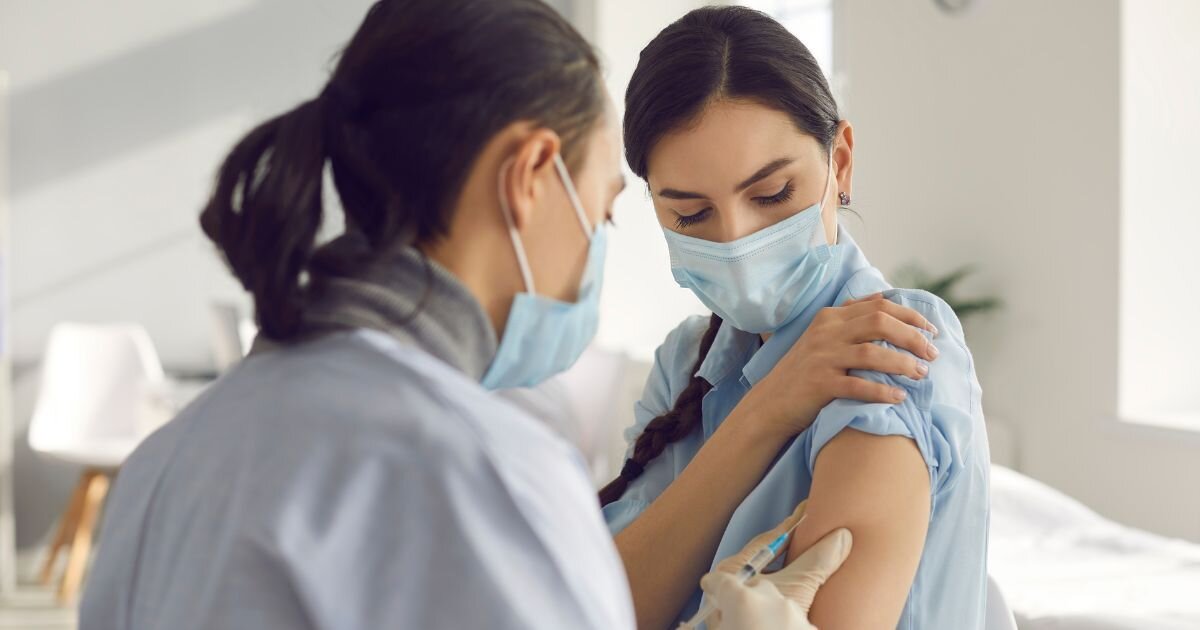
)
(970, 307)
(942, 286)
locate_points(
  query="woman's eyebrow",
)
(774, 165)
(763, 172)
(671, 193)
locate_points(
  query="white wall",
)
(121, 111)
(641, 301)
(994, 137)
(7, 560)
(1160, 144)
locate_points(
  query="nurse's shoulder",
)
(356, 392)
(412, 435)
(443, 405)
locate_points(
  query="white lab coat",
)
(354, 482)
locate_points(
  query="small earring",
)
(844, 198)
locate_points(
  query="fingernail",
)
(898, 394)
(933, 329)
(922, 368)
(933, 351)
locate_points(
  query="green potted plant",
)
(945, 286)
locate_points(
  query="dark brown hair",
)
(710, 53)
(415, 95)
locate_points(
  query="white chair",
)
(231, 334)
(589, 405)
(99, 396)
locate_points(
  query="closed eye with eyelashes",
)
(683, 221)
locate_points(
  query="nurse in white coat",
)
(355, 471)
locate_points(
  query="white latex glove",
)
(779, 600)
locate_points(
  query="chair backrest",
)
(228, 328)
(590, 404)
(96, 384)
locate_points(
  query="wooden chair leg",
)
(66, 526)
(81, 545)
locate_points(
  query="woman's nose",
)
(734, 223)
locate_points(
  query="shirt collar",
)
(730, 349)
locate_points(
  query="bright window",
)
(1160, 214)
(809, 20)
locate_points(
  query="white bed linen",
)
(1064, 567)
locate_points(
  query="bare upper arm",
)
(878, 488)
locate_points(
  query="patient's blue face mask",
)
(758, 282)
(544, 336)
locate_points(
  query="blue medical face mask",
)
(544, 336)
(761, 281)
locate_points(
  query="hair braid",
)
(672, 426)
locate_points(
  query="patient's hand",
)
(815, 370)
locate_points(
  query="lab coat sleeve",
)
(428, 538)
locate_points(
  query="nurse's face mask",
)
(758, 282)
(544, 336)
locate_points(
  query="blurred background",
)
(1032, 161)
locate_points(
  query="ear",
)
(843, 157)
(525, 181)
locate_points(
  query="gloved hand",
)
(779, 600)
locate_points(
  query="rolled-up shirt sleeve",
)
(911, 418)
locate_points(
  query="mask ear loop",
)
(819, 234)
(573, 196)
(518, 246)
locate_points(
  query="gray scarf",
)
(414, 299)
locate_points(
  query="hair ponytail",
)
(265, 212)
(670, 427)
(415, 95)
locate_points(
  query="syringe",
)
(753, 566)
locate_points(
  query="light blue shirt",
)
(353, 482)
(942, 414)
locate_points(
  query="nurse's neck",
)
(479, 252)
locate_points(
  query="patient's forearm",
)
(671, 545)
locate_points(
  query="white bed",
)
(1061, 566)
